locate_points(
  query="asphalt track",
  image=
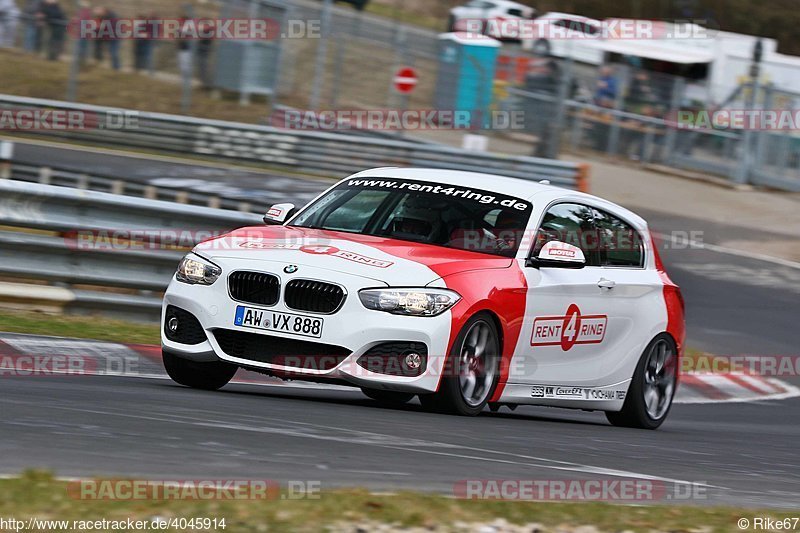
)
(743, 454)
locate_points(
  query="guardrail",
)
(46, 175)
(311, 152)
(98, 251)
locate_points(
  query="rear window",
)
(618, 243)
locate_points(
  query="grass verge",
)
(27, 75)
(37, 494)
(80, 327)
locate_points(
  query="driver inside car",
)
(414, 220)
(509, 229)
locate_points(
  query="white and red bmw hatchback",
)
(464, 289)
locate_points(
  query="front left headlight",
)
(409, 302)
(197, 271)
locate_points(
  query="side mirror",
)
(557, 254)
(279, 213)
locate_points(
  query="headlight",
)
(197, 271)
(412, 302)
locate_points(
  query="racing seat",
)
(412, 229)
(467, 235)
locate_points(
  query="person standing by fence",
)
(142, 33)
(205, 46)
(56, 22)
(606, 89)
(9, 18)
(32, 15)
(84, 13)
(106, 42)
(185, 47)
(145, 42)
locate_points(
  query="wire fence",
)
(654, 118)
(359, 52)
(347, 59)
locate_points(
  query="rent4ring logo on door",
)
(568, 330)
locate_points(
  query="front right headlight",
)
(410, 302)
(197, 271)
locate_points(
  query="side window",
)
(491, 217)
(588, 29)
(619, 244)
(572, 224)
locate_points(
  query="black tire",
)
(388, 397)
(451, 24)
(450, 398)
(634, 413)
(206, 376)
(541, 48)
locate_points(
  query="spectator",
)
(205, 47)
(56, 22)
(32, 14)
(111, 42)
(640, 94)
(185, 48)
(9, 17)
(142, 44)
(99, 43)
(605, 94)
(84, 13)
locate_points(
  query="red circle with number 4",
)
(570, 327)
(319, 249)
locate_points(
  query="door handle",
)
(604, 283)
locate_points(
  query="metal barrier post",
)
(322, 53)
(741, 172)
(672, 129)
(186, 64)
(75, 66)
(554, 140)
(763, 136)
(613, 134)
(6, 155)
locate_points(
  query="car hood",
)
(392, 261)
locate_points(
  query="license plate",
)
(250, 317)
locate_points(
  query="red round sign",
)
(405, 80)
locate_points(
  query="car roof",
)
(492, 182)
(568, 16)
(533, 191)
(509, 3)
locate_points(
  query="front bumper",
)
(352, 327)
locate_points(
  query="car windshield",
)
(426, 212)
